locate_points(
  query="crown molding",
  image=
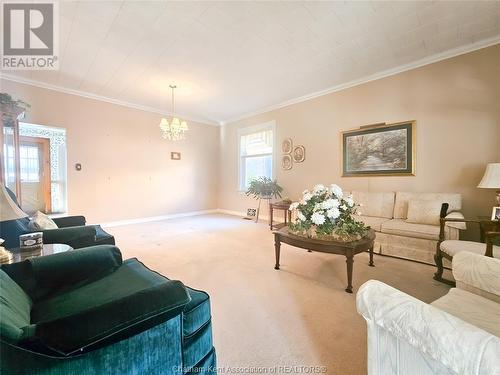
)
(383, 74)
(88, 95)
(373, 77)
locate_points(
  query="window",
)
(256, 153)
(30, 163)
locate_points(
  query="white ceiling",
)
(234, 58)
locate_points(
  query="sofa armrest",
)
(54, 271)
(455, 224)
(76, 237)
(69, 221)
(112, 321)
(443, 337)
(477, 272)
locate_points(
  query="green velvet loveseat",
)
(88, 312)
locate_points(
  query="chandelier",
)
(176, 129)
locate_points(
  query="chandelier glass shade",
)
(176, 129)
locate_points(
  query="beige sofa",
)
(413, 237)
(457, 334)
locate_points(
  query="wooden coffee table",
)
(348, 249)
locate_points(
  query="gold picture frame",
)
(379, 150)
(495, 213)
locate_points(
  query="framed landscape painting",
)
(385, 149)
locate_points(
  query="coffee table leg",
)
(349, 260)
(371, 264)
(277, 247)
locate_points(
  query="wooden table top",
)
(364, 242)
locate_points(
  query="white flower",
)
(301, 216)
(318, 218)
(344, 207)
(319, 189)
(336, 190)
(307, 196)
(305, 191)
(333, 213)
(330, 203)
(349, 201)
(294, 206)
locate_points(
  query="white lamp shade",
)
(8, 208)
(491, 178)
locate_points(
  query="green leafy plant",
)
(11, 109)
(6, 100)
(264, 187)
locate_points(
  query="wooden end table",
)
(348, 249)
(286, 212)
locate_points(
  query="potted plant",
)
(326, 213)
(263, 188)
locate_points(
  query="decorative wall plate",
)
(287, 146)
(299, 154)
(286, 162)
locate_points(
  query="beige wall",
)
(127, 172)
(456, 104)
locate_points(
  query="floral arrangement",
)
(325, 213)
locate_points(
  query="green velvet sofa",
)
(72, 231)
(87, 311)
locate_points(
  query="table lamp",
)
(8, 208)
(8, 211)
(491, 179)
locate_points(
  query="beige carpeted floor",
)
(265, 320)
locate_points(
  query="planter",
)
(311, 233)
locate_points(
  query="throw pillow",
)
(424, 212)
(40, 221)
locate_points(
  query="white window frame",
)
(271, 125)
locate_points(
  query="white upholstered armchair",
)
(457, 334)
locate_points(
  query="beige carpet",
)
(265, 320)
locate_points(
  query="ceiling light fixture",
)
(176, 129)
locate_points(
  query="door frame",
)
(45, 179)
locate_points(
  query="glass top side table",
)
(18, 255)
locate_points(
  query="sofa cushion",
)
(452, 247)
(374, 222)
(130, 278)
(196, 313)
(131, 299)
(473, 309)
(375, 204)
(40, 221)
(402, 199)
(423, 212)
(402, 228)
(15, 307)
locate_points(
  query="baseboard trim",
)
(157, 218)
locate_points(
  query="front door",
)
(34, 159)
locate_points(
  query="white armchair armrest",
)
(456, 224)
(476, 273)
(442, 337)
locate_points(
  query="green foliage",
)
(264, 187)
(6, 99)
